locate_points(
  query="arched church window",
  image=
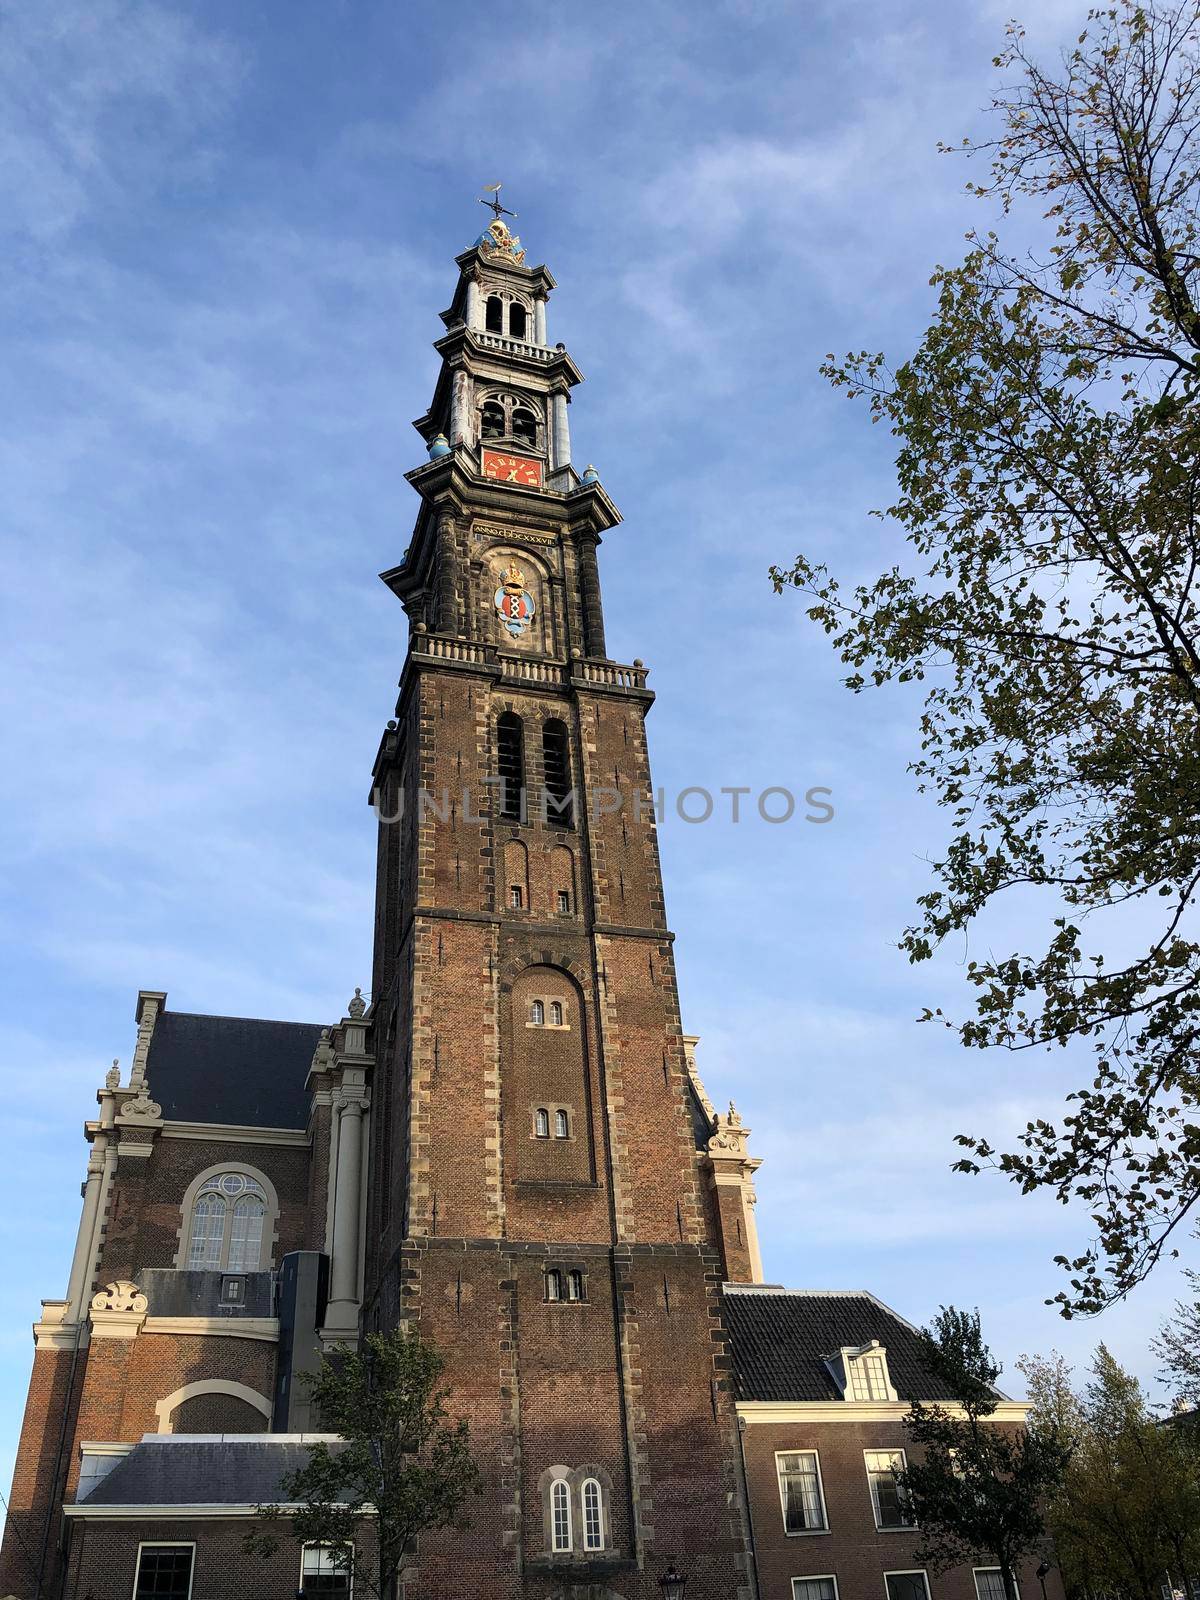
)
(227, 1224)
(556, 1014)
(554, 1284)
(541, 1123)
(574, 1284)
(524, 427)
(494, 315)
(537, 1013)
(516, 320)
(593, 1521)
(562, 1127)
(510, 763)
(493, 420)
(556, 764)
(560, 1514)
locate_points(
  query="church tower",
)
(542, 1193)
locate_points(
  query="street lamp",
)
(672, 1583)
(1040, 1575)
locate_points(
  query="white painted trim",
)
(234, 1133)
(231, 1327)
(318, 1544)
(239, 1391)
(166, 1544)
(181, 1512)
(815, 1577)
(886, 1450)
(802, 1533)
(105, 1447)
(975, 1571)
(767, 1411)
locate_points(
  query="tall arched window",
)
(561, 1125)
(493, 420)
(554, 1284)
(524, 427)
(494, 317)
(510, 764)
(556, 765)
(537, 1012)
(593, 1517)
(226, 1226)
(541, 1123)
(560, 1514)
(517, 320)
(556, 1013)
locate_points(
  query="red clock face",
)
(512, 469)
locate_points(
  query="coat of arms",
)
(514, 604)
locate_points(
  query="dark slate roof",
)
(231, 1069)
(779, 1337)
(201, 1469)
(701, 1121)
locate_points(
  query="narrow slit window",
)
(560, 1515)
(541, 1123)
(494, 318)
(537, 1013)
(517, 320)
(593, 1521)
(562, 1127)
(554, 1284)
(510, 764)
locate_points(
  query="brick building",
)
(510, 1143)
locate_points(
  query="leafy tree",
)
(1049, 491)
(1127, 1510)
(976, 1489)
(399, 1454)
(1178, 1346)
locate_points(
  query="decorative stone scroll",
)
(121, 1296)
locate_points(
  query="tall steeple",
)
(542, 1199)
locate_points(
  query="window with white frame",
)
(560, 1515)
(592, 1497)
(989, 1583)
(327, 1569)
(226, 1227)
(164, 1572)
(537, 1013)
(868, 1378)
(814, 1588)
(887, 1497)
(800, 1492)
(906, 1585)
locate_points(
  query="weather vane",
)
(499, 211)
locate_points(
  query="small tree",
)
(977, 1489)
(400, 1465)
(1178, 1346)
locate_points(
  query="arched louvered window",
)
(494, 317)
(510, 763)
(524, 427)
(556, 765)
(562, 1127)
(493, 420)
(516, 320)
(541, 1123)
(593, 1519)
(560, 1515)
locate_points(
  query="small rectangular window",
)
(800, 1492)
(564, 903)
(574, 1284)
(516, 897)
(164, 1572)
(326, 1572)
(887, 1498)
(868, 1378)
(906, 1586)
(814, 1588)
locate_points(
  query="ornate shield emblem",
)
(514, 605)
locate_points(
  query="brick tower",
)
(549, 1194)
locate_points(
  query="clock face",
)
(512, 469)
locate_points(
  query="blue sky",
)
(229, 229)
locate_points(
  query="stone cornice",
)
(227, 1327)
(768, 1411)
(235, 1133)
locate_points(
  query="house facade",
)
(507, 1143)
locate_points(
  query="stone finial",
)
(112, 1078)
(120, 1296)
(729, 1136)
(734, 1120)
(358, 1006)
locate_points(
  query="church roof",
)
(780, 1337)
(203, 1470)
(240, 1070)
